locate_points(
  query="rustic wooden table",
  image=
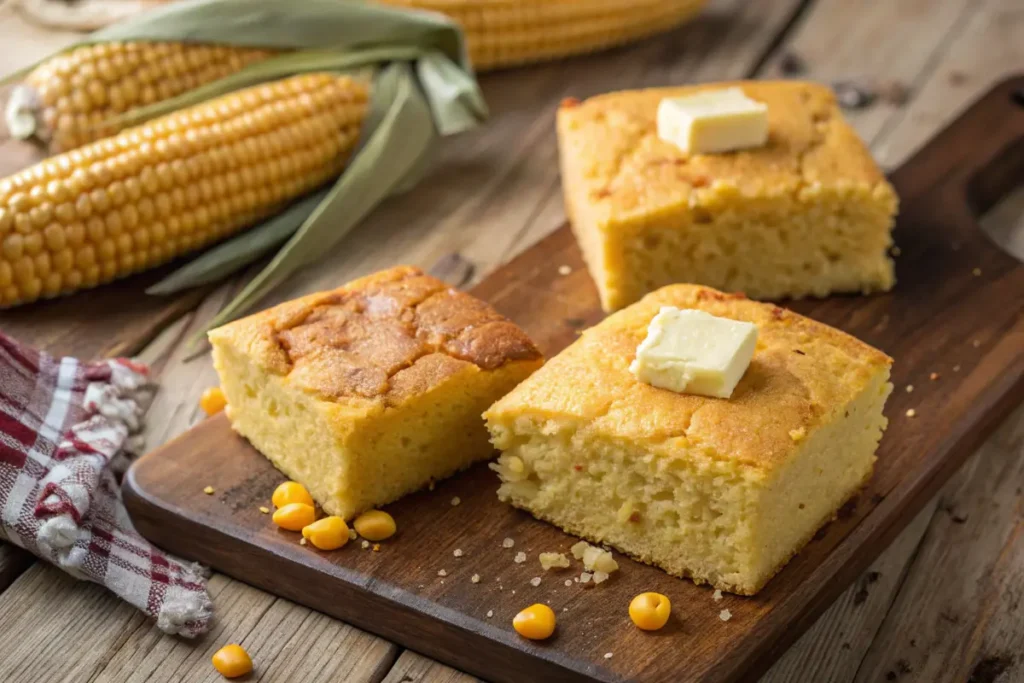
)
(943, 603)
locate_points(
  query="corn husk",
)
(423, 89)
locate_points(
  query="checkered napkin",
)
(66, 431)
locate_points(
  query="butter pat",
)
(713, 121)
(694, 352)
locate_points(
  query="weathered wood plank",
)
(414, 668)
(960, 606)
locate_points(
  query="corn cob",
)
(71, 98)
(172, 185)
(503, 33)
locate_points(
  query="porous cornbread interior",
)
(367, 392)
(723, 491)
(807, 214)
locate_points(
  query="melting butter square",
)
(713, 121)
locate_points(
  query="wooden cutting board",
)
(958, 311)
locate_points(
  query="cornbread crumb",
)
(717, 595)
(364, 545)
(457, 552)
(442, 572)
(599, 559)
(798, 434)
(352, 535)
(600, 577)
(607, 655)
(956, 368)
(725, 615)
(520, 558)
(578, 548)
(585, 577)
(208, 490)
(568, 583)
(456, 500)
(264, 509)
(490, 613)
(553, 561)
(934, 376)
(911, 412)
(976, 343)
(910, 388)
(507, 543)
(302, 541)
(376, 547)
(564, 270)
(976, 272)
(535, 581)
(475, 578)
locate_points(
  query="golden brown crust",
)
(385, 336)
(619, 166)
(801, 374)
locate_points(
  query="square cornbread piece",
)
(807, 214)
(724, 491)
(368, 392)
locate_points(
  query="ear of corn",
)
(503, 33)
(172, 185)
(74, 97)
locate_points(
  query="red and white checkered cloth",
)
(66, 430)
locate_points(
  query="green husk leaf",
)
(404, 135)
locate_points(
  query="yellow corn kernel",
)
(536, 622)
(291, 492)
(329, 533)
(175, 184)
(375, 525)
(294, 516)
(650, 611)
(213, 401)
(509, 32)
(232, 661)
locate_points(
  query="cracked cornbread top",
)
(387, 336)
(802, 375)
(616, 158)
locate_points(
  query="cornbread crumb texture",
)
(372, 390)
(806, 214)
(718, 490)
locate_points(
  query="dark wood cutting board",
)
(958, 311)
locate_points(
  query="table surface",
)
(943, 603)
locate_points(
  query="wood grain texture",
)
(446, 617)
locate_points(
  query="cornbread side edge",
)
(370, 391)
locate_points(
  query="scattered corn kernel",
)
(291, 492)
(208, 490)
(375, 525)
(536, 622)
(650, 611)
(294, 516)
(329, 533)
(232, 661)
(212, 401)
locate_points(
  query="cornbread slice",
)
(807, 214)
(367, 392)
(722, 491)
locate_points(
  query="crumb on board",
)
(608, 655)
(208, 490)
(520, 557)
(264, 509)
(911, 412)
(364, 545)
(585, 577)
(442, 572)
(535, 581)
(797, 435)
(376, 547)
(550, 561)
(507, 543)
(976, 272)
(302, 541)
(956, 368)
(490, 613)
(717, 595)
(475, 578)
(458, 552)
(456, 500)
(976, 343)
(934, 376)
(352, 535)
(896, 251)
(910, 388)
(568, 582)
(564, 270)
(725, 615)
